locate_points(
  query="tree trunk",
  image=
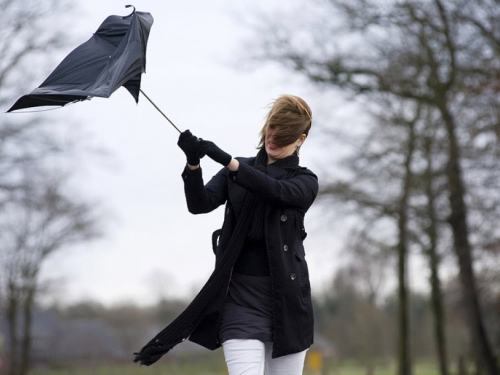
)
(436, 295)
(404, 356)
(462, 368)
(12, 307)
(462, 247)
(437, 307)
(25, 354)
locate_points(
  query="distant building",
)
(56, 341)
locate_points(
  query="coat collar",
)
(278, 169)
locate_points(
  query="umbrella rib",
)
(159, 110)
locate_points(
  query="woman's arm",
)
(233, 165)
(299, 191)
(202, 198)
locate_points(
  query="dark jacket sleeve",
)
(299, 191)
(202, 198)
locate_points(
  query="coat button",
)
(293, 276)
(227, 211)
(283, 218)
(285, 248)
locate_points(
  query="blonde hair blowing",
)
(289, 118)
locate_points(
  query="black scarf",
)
(180, 329)
(256, 229)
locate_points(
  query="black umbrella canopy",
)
(114, 56)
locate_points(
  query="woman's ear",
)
(302, 139)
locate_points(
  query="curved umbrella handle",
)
(129, 6)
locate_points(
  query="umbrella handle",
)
(129, 6)
(159, 110)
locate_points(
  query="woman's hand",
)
(213, 152)
(188, 143)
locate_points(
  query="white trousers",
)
(253, 357)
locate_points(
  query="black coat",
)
(289, 193)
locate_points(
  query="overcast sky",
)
(153, 246)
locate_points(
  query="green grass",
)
(214, 365)
(163, 369)
(421, 367)
(205, 365)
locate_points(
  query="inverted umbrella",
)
(114, 56)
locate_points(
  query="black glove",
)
(215, 153)
(187, 142)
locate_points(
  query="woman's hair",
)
(289, 118)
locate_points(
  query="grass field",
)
(215, 365)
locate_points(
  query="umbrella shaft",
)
(159, 110)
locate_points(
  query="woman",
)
(263, 315)
(257, 302)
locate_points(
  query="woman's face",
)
(275, 152)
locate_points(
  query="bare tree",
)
(381, 186)
(30, 30)
(39, 219)
(404, 334)
(38, 213)
(368, 261)
(345, 313)
(414, 50)
(431, 228)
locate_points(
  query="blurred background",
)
(98, 252)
